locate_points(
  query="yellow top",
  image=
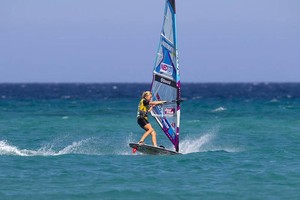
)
(143, 108)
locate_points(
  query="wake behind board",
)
(151, 150)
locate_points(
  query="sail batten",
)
(166, 80)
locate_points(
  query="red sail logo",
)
(166, 69)
(169, 111)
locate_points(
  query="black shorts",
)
(142, 122)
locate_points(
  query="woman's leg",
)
(151, 131)
(153, 134)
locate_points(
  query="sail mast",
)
(166, 79)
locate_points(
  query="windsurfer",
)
(145, 106)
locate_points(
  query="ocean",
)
(70, 141)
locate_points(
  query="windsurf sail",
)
(166, 80)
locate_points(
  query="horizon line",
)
(208, 82)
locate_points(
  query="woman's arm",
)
(154, 103)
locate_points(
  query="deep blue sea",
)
(70, 141)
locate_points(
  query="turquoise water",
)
(70, 141)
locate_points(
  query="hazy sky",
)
(116, 41)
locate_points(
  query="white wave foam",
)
(220, 109)
(274, 100)
(6, 149)
(74, 148)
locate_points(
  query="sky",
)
(99, 41)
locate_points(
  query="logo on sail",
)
(166, 69)
(165, 81)
(169, 111)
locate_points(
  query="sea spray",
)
(80, 147)
(192, 145)
(6, 149)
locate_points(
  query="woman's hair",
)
(146, 93)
